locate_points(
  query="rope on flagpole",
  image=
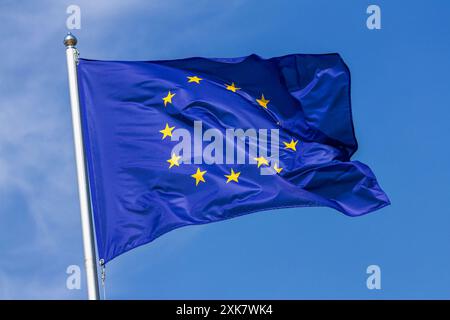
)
(103, 277)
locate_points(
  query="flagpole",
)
(83, 188)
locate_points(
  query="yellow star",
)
(291, 145)
(232, 87)
(276, 168)
(174, 160)
(167, 131)
(263, 102)
(168, 99)
(198, 176)
(261, 161)
(195, 79)
(233, 176)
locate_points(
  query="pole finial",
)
(70, 40)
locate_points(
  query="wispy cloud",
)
(38, 196)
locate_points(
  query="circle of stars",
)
(233, 176)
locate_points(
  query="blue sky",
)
(401, 109)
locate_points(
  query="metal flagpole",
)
(83, 188)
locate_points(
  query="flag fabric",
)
(191, 141)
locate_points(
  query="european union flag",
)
(192, 141)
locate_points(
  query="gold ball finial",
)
(70, 40)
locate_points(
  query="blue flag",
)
(192, 141)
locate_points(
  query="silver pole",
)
(83, 188)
